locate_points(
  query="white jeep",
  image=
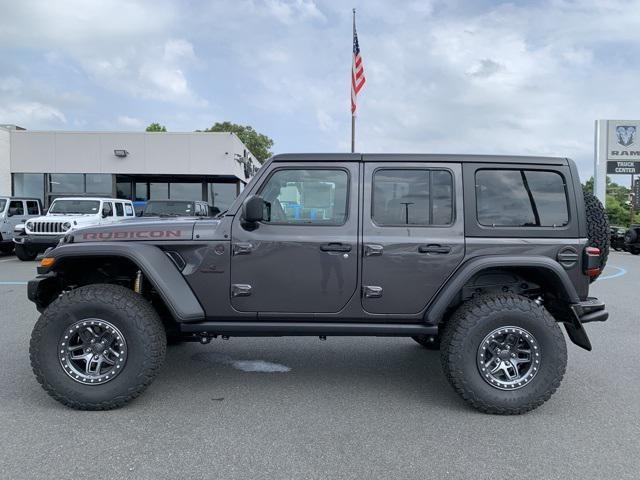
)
(66, 215)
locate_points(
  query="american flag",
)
(357, 70)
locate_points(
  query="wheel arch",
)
(158, 269)
(542, 270)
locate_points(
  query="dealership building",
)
(139, 166)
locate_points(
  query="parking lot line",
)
(13, 283)
(621, 271)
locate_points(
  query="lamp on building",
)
(120, 153)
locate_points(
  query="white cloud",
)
(31, 113)
(130, 122)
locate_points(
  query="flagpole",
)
(353, 114)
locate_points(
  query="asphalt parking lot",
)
(299, 408)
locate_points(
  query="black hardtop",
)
(417, 157)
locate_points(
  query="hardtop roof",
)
(416, 157)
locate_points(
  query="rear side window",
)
(521, 198)
(32, 208)
(412, 197)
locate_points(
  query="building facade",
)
(138, 166)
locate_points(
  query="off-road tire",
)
(597, 229)
(465, 331)
(131, 314)
(25, 253)
(430, 342)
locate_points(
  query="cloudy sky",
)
(453, 76)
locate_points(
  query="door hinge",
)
(240, 290)
(371, 291)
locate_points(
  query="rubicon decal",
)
(132, 235)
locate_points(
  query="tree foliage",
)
(156, 127)
(257, 143)
(618, 208)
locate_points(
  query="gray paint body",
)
(291, 279)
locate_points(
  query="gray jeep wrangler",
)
(482, 257)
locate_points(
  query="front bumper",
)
(39, 242)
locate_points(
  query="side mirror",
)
(11, 212)
(253, 209)
(105, 211)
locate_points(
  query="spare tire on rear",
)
(597, 228)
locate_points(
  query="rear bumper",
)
(589, 310)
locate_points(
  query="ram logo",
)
(626, 135)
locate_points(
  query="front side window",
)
(521, 198)
(306, 197)
(16, 207)
(413, 197)
(77, 207)
(119, 210)
(129, 210)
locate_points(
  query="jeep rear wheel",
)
(97, 347)
(25, 253)
(597, 228)
(504, 354)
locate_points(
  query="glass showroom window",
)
(185, 191)
(158, 191)
(222, 195)
(99, 183)
(66, 183)
(29, 185)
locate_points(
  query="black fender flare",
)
(437, 308)
(157, 268)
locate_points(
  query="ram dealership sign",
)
(623, 142)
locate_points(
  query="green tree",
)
(257, 143)
(618, 209)
(156, 127)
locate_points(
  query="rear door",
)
(412, 232)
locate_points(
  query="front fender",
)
(157, 268)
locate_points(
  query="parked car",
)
(617, 238)
(15, 211)
(483, 257)
(176, 208)
(66, 215)
(632, 240)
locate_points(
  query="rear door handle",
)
(434, 248)
(335, 247)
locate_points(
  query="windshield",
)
(3, 203)
(156, 208)
(78, 207)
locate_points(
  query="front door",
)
(303, 257)
(18, 213)
(413, 234)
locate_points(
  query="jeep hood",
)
(142, 229)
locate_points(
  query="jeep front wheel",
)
(504, 354)
(24, 253)
(97, 347)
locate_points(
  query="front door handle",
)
(335, 247)
(434, 248)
